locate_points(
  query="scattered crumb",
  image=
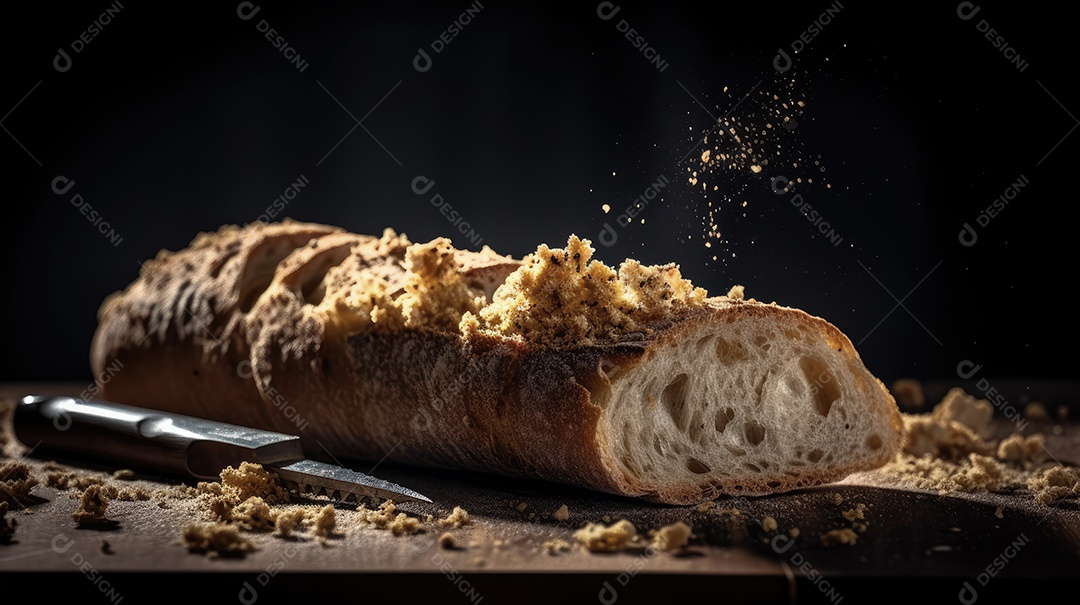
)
(7, 526)
(794, 533)
(15, 482)
(837, 499)
(387, 517)
(457, 518)
(955, 529)
(562, 514)
(836, 537)
(737, 292)
(522, 506)
(554, 547)
(606, 518)
(325, 520)
(855, 513)
(704, 507)
(446, 540)
(253, 513)
(1000, 512)
(769, 524)
(909, 392)
(288, 520)
(1055, 483)
(734, 512)
(216, 540)
(252, 480)
(124, 474)
(673, 537)
(1024, 451)
(92, 505)
(65, 479)
(600, 538)
(532, 515)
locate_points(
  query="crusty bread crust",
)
(208, 331)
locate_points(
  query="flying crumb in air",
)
(909, 393)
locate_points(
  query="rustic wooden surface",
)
(915, 542)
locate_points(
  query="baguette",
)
(557, 367)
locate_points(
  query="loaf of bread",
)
(628, 380)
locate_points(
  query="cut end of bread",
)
(751, 399)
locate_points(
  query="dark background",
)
(175, 120)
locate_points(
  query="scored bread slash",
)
(185, 445)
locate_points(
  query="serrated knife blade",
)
(186, 445)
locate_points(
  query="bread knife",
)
(185, 445)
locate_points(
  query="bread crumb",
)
(794, 533)
(325, 521)
(958, 406)
(769, 524)
(606, 518)
(387, 517)
(216, 540)
(251, 479)
(1023, 451)
(554, 547)
(562, 297)
(1036, 412)
(837, 498)
(124, 474)
(933, 437)
(734, 512)
(16, 481)
(855, 513)
(65, 479)
(562, 514)
(834, 537)
(737, 292)
(600, 538)
(704, 507)
(1055, 483)
(91, 509)
(522, 506)
(672, 537)
(1000, 512)
(253, 513)
(457, 518)
(288, 520)
(446, 540)
(909, 393)
(7, 526)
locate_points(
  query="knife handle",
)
(149, 439)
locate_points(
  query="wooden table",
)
(916, 544)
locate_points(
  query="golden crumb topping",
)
(562, 296)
